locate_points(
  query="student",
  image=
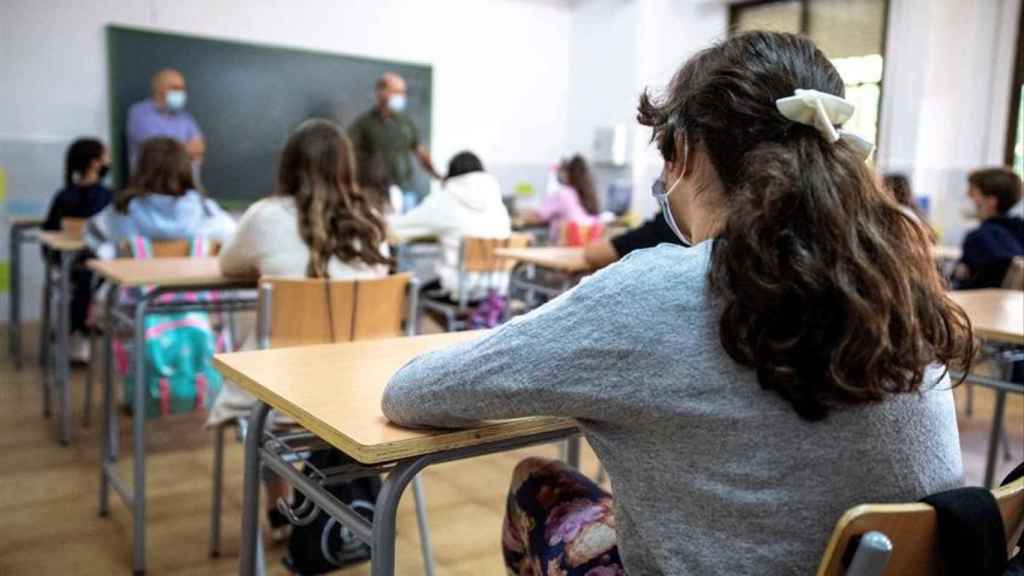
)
(84, 194)
(744, 392)
(601, 253)
(160, 203)
(573, 200)
(317, 225)
(468, 204)
(989, 248)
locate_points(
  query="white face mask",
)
(396, 102)
(661, 195)
(176, 100)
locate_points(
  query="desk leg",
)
(994, 437)
(14, 319)
(385, 514)
(572, 457)
(250, 558)
(107, 441)
(44, 336)
(63, 358)
(139, 439)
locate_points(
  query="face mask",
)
(103, 171)
(661, 195)
(176, 100)
(396, 102)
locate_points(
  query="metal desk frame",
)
(18, 237)
(1001, 389)
(134, 315)
(59, 357)
(264, 449)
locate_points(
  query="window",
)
(850, 32)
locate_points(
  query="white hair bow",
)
(824, 112)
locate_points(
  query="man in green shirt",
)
(387, 131)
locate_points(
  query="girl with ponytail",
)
(742, 391)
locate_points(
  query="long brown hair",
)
(827, 288)
(163, 168)
(578, 174)
(318, 170)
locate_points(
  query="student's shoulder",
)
(660, 271)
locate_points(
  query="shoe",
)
(79, 349)
(279, 526)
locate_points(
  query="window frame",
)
(805, 18)
(1015, 95)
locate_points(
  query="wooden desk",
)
(562, 259)
(162, 277)
(335, 391)
(997, 315)
(20, 227)
(67, 247)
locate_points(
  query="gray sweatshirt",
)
(711, 474)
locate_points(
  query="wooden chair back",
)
(168, 249)
(478, 253)
(308, 311)
(1014, 279)
(912, 530)
(74, 227)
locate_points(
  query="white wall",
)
(946, 97)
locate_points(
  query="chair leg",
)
(969, 408)
(90, 377)
(421, 521)
(218, 481)
(1005, 441)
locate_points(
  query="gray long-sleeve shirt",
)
(711, 474)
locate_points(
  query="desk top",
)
(996, 315)
(561, 258)
(25, 221)
(170, 272)
(61, 242)
(946, 252)
(335, 391)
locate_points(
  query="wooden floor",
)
(48, 511)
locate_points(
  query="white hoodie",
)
(467, 205)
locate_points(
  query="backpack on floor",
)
(178, 350)
(323, 545)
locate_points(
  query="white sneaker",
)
(79, 349)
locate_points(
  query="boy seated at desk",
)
(989, 248)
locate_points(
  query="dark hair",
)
(318, 170)
(375, 180)
(899, 186)
(464, 163)
(80, 156)
(1000, 182)
(580, 180)
(163, 168)
(827, 288)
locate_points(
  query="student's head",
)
(993, 191)
(826, 286)
(163, 168)
(87, 162)
(390, 92)
(169, 89)
(318, 170)
(464, 163)
(575, 173)
(899, 186)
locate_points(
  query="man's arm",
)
(195, 144)
(423, 156)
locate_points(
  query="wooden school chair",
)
(74, 227)
(161, 249)
(891, 539)
(476, 255)
(1014, 279)
(303, 312)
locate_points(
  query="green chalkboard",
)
(248, 97)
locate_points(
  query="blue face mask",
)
(396, 102)
(661, 195)
(176, 100)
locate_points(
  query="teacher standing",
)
(386, 131)
(164, 114)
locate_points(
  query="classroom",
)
(525, 287)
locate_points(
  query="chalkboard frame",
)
(419, 77)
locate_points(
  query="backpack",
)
(178, 350)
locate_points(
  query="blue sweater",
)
(988, 250)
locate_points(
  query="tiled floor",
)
(49, 524)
